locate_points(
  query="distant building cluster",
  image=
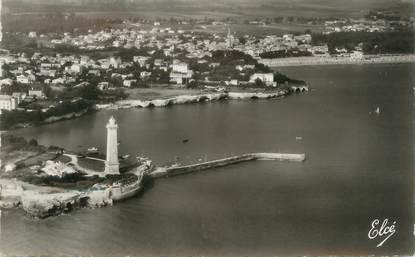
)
(158, 54)
(364, 25)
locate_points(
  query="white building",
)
(267, 78)
(8, 103)
(356, 55)
(37, 92)
(264, 77)
(145, 74)
(103, 85)
(76, 68)
(141, 60)
(129, 82)
(32, 34)
(115, 62)
(19, 96)
(180, 67)
(180, 73)
(25, 79)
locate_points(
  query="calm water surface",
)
(359, 168)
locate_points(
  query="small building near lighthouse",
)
(112, 165)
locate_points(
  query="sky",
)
(320, 7)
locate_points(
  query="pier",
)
(174, 171)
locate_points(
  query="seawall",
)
(174, 171)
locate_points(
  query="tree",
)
(259, 83)
(88, 92)
(33, 142)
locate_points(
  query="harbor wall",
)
(174, 171)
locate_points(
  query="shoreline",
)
(169, 101)
(199, 98)
(313, 60)
(41, 202)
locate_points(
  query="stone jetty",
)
(174, 171)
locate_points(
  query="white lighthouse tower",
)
(112, 166)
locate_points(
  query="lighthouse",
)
(112, 166)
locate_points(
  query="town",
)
(67, 73)
(194, 127)
(158, 57)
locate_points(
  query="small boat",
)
(93, 149)
(125, 156)
(377, 111)
(185, 140)
(298, 138)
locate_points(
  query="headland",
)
(49, 181)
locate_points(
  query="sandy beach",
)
(314, 60)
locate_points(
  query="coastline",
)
(313, 60)
(53, 119)
(44, 201)
(186, 98)
(199, 98)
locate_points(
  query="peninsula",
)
(47, 181)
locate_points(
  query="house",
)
(233, 82)
(115, 62)
(36, 91)
(266, 78)
(76, 68)
(214, 65)
(103, 85)
(94, 72)
(141, 60)
(158, 62)
(82, 84)
(180, 67)
(356, 55)
(25, 79)
(129, 82)
(59, 80)
(305, 38)
(19, 96)
(47, 72)
(104, 63)
(145, 74)
(32, 34)
(180, 73)
(248, 66)
(6, 81)
(8, 102)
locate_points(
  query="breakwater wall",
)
(174, 171)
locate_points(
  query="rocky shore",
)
(43, 201)
(200, 98)
(50, 195)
